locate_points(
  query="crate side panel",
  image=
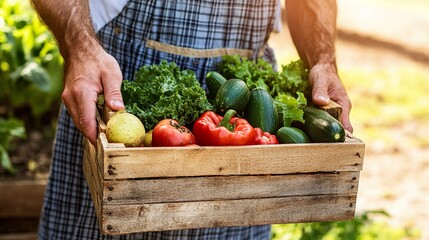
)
(121, 219)
(228, 187)
(93, 176)
(122, 163)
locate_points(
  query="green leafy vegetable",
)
(290, 108)
(292, 79)
(258, 73)
(289, 87)
(164, 91)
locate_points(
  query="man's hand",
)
(327, 86)
(86, 76)
(89, 70)
(312, 24)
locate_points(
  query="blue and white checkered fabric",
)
(192, 33)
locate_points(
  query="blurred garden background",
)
(383, 60)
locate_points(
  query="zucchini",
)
(320, 126)
(214, 81)
(261, 111)
(233, 94)
(292, 135)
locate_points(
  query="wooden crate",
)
(165, 188)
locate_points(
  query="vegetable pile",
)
(247, 103)
(289, 87)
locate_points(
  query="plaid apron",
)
(192, 33)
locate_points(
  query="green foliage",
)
(30, 61)
(293, 77)
(9, 129)
(290, 108)
(363, 227)
(289, 87)
(164, 91)
(31, 73)
(258, 73)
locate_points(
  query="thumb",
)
(320, 93)
(112, 91)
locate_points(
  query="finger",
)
(345, 117)
(112, 87)
(345, 121)
(86, 111)
(81, 104)
(70, 102)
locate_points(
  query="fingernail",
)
(322, 98)
(117, 103)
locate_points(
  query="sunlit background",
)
(383, 60)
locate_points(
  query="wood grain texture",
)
(93, 175)
(121, 219)
(228, 187)
(141, 162)
(333, 108)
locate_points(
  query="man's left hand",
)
(326, 86)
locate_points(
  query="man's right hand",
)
(88, 74)
(89, 70)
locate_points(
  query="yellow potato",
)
(125, 128)
(148, 139)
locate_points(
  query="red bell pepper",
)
(212, 129)
(169, 132)
(265, 137)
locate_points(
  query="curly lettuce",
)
(164, 91)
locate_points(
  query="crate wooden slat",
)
(120, 163)
(155, 189)
(243, 212)
(166, 190)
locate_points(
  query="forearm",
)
(70, 23)
(89, 69)
(312, 24)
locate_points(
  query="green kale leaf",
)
(164, 91)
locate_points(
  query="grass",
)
(388, 102)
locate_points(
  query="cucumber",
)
(233, 94)
(292, 135)
(214, 81)
(261, 111)
(321, 127)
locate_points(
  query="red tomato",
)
(169, 133)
